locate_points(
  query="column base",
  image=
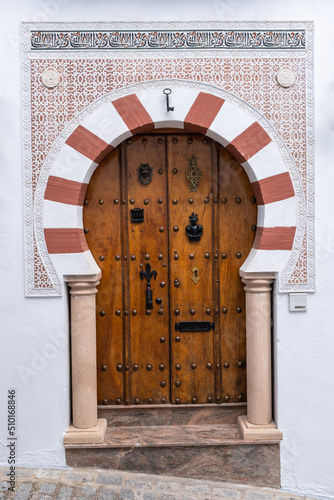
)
(93, 435)
(251, 432)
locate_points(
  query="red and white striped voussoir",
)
(146, 110)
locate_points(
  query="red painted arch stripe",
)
(274, 238)
(275, 188)
(133, 114)
(65, 240)
(203, 112)
(65, 191)
(88, 144)
(249, 142)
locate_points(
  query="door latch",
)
(194, 326)
(148, 275)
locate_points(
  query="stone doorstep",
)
(251, 464)
(202, 451)
(192, 442)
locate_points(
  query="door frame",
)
(267, 162)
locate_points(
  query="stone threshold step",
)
(169, 437)
(154, 415)
(230, 460)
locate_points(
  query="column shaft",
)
(83, 345)
(258, 339)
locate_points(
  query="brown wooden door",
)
(149, 353)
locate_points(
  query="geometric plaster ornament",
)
(286, 77)
(50, 78)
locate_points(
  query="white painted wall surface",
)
(33, 330)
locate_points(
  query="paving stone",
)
(65, 493)
(258, 495)
(149, 496)
(109, 479)
(3, 486)
(48, 473)
(23, 492)
(135, 483)
(25, 472)
(2, 496)
(170, 486)
(226, 493)
(106, 495)
(88, 490)
(142, 495)
(80, 477)
(126, 494)
(198, 489)
(193, 498)
(47, 488)
(167, 497)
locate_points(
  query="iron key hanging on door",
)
(148, 275)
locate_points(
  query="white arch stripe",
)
(265, 261)
(62, 215)
(72, 165)
(67, 264)
(108, 125)
(155, 104)
(266, 163)
(278, 214)
(230, 122)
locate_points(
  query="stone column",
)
(86, 428)
(258, 424)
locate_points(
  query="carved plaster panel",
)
(99, 61)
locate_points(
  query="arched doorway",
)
(170, 217)
(85, 143)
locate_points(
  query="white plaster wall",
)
(305, 341)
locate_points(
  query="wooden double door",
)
(170, 218)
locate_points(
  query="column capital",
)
(257, 285)
(83, 288)
(257, 282)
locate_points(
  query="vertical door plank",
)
(102, 218)
(192, 370)
(215, 272)
(237, 216)
(148, 356)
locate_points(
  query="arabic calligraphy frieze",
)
(221, 39)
